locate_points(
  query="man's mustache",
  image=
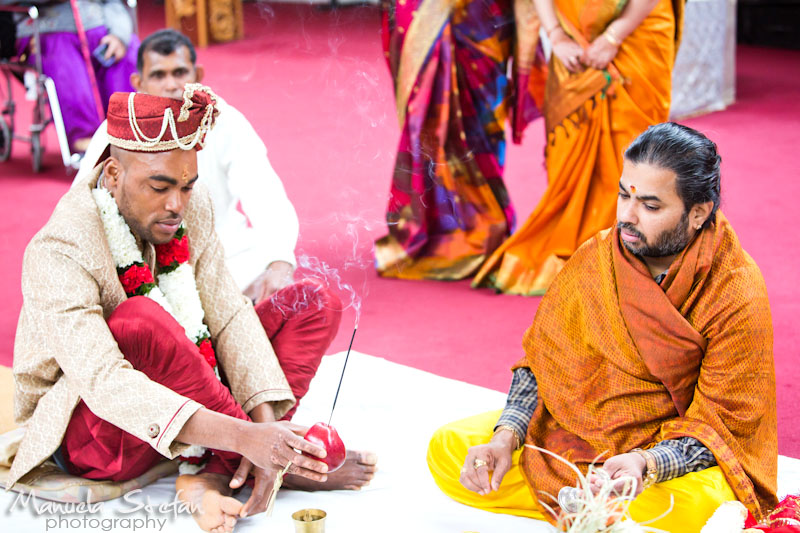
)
(630, 228)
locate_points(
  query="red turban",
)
(145, 123)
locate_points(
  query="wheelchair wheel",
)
(6, 136)
(36, 152)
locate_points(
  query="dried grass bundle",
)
(606, 511)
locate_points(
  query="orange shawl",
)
(622, 363)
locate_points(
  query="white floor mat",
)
(384, 407)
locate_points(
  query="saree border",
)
(429, 19)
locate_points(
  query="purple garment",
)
(63, 61)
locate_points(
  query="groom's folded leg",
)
(301, 321)
(155, 344)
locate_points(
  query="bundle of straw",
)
(606, 511)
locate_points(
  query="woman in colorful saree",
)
(609, 78)
(449, 208)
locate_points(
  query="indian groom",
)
(254, 218)
(651, 354)
(134, 342)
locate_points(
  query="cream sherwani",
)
(64, 351)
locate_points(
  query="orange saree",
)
(623, 363)
(590, 118)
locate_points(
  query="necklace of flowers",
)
(176, 290)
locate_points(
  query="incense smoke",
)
(347, 277)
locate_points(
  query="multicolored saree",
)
(590, 118)
(449, 208)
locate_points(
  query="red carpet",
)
(316, 87)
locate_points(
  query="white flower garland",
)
(175, 291)
(728, 518)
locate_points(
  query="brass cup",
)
(309, 521)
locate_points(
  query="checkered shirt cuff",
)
(677, 457)
(523, 396)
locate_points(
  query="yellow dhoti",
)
(695, 496)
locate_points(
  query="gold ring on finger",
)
(478, 463)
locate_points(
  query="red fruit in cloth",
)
(324, 435)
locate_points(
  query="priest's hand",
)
(620, 469)
(116, 48)
(278, 275)
(487, 464)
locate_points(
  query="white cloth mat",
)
(384, 407)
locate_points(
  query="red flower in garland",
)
(176, 250)
(134, 277)
(207, 351)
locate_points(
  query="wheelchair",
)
(39, 88)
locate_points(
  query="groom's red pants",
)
(300, 321)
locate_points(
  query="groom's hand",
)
(264, 480)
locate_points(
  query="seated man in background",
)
(255, 220)
(129, 318)
(651, 354)
(112, 47)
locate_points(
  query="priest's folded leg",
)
(446, 454)
(695, 496)
(301, 321)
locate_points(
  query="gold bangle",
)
(651, 472)
(610, 38)
(517, 440)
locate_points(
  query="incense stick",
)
(279, 478)
(342, 376)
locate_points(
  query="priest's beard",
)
(669, 242)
